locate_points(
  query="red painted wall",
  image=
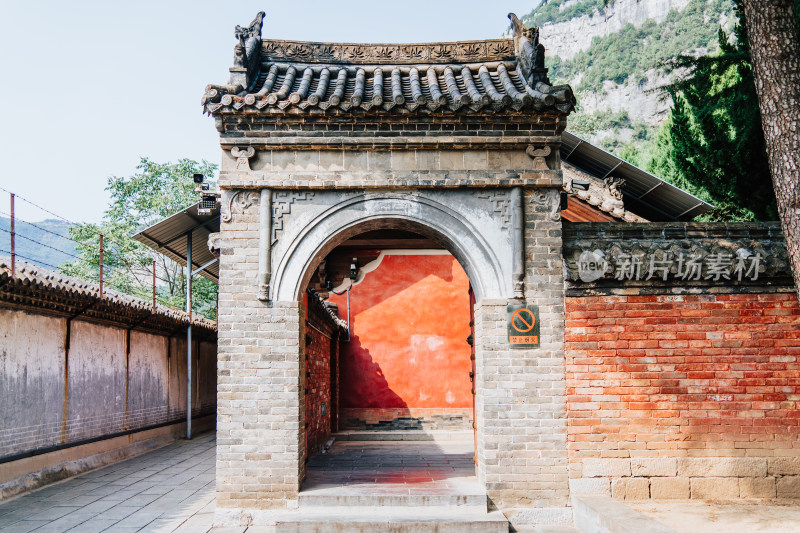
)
(408, 352)
(683, 375)
(320, 348)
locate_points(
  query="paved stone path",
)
(404, 465)
(172, 489)
(169, 489)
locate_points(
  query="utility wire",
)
(37, 205)
(41, 243)
(106, 238)
(29, 259)
(16, 218)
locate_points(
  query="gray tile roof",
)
(490, 76)
(54, 292)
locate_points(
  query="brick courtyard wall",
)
(321, 340)
(69, 379)
(684, 395)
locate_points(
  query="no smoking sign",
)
(523, 326)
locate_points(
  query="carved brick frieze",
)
(539, 155)
(242, 156)
(500, 201)
(551, 198)
(236, 202)
(469, 51)
(282, 207)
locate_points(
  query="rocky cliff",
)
(613, 54)
(567, 38)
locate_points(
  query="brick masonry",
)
(321, 351)
(678, 396)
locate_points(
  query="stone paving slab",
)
(169, 489)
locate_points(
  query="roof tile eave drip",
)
(484, 88)
(32, 275)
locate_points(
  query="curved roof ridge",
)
(505, 75)
(389, 53)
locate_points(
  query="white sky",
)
(87, 87)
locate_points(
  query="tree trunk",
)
(775, 50)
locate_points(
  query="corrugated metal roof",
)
(168, 237)
(643, 193)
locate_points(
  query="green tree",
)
(712, 143)
(153, 192)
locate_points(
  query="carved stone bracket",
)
(237, 201)
(282, 205)
(243, 156)
(550, 198)
(501, 204)
(539, 155)
(214, 244)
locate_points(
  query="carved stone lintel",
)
(243, 156)
(539, 155)
(237, 202)
(552, 199)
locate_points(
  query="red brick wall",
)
(317, 386)
(671, 376)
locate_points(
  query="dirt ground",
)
(775, 516)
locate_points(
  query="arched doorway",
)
(391, 406)
(471, 234)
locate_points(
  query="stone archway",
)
(479, 257)
(261, 366)
(459, 228)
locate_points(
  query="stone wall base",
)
(405, 418)
(683, 478)
(27, 474)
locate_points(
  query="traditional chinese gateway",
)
(412, 247)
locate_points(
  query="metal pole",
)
(101, 265)
(189, 336)
(154, 284)
(13, 239)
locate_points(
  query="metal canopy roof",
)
(643, 193)
(168, 237)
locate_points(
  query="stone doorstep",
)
(600, 514)
(373, 519)
(338, 497)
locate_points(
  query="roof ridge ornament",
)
(247, 53)
(529, 51)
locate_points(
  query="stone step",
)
(404, 435)
(375, 520)
(342, 497)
